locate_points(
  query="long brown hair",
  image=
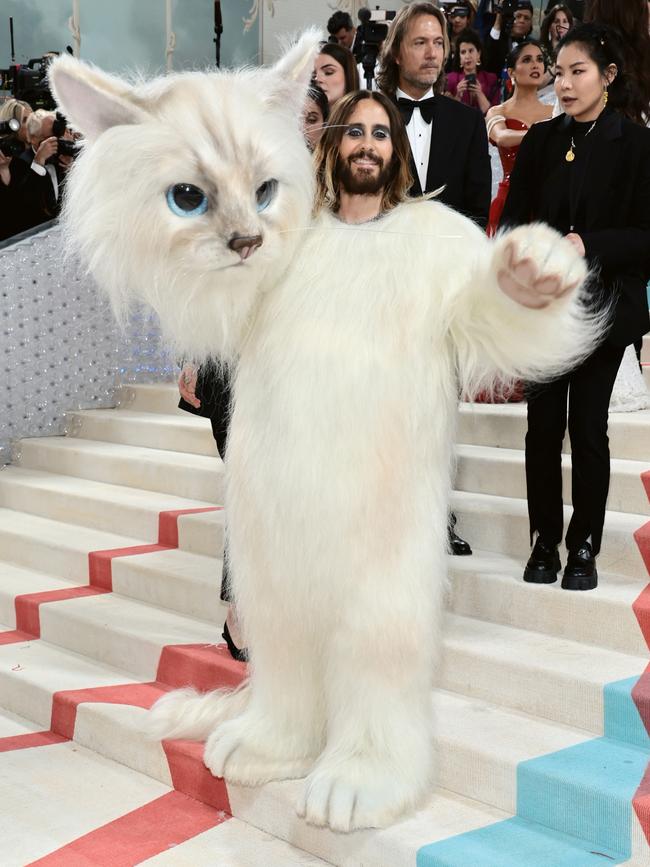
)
(388, 75)
(326, 155)
(549, 19)
(630, 19)
(345, 58)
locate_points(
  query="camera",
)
(506, 8)
(371, 33)
(11, 147)
(29, 83)
(8, 127)
(9, 144)
(68, 148)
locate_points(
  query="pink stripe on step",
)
(133, 838)
(31, 739)
(27, 606)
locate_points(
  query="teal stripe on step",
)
(585, 791)
(514, 843)
(622, 719)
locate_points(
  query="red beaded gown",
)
(508, 156)
(514, 393)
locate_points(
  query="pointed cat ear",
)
(293, 72)
(91, 100)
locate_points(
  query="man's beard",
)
(428, 78)
(363, 182)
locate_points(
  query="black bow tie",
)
(427, 108)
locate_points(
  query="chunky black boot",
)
(543, 564)
(580, 572)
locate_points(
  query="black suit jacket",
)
(605, 195)
(459, 160)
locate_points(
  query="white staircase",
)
(534, 714)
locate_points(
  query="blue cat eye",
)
(265, 194)
(186, 200)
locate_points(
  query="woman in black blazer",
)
(587, 174)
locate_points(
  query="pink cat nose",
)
(245, 245)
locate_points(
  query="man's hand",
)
(536, 267)
(187, 385)
(47, 148)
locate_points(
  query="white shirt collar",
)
(399, 94)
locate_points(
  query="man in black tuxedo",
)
(449, 146)
(448, 140)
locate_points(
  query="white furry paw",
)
(241, 758)
(356, 793)
(536, 266)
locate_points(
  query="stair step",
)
(485, 660)
(550, 678)
(464, 728)
(501, 472)
(199, 477)
(504, 426)
(54, 547)
(160, 397)
(489, 586)
(188, 584)
(123, 633)
(174, 432)
(111, 508)
(501, 524)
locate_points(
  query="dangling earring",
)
(605, 97)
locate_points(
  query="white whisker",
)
(347, 226)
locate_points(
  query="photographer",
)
(467, 83)
(512, 25)
(343, 32)
(38, 174)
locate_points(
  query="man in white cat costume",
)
(350, 343)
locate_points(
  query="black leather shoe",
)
(543, 564)
(580, 572)
(457, 546)
(241, 655)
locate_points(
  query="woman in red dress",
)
(508, 123)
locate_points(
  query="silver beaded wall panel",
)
(60, 347)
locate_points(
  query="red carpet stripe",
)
(27, 606)
(100, 562)
(203, 666)
(137, 836)
(66, 702)
(14, 636)
(190, 775)
(168, 524)
(641, 691)
(29, 740)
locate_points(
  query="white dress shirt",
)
(419, 136)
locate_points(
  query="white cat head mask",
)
(175, 172)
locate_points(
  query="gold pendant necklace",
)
(570, 154)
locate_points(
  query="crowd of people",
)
(36, 151)
(568, 111)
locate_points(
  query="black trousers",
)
(214, 391)
(582, 396)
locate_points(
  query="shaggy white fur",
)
(352, 342)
